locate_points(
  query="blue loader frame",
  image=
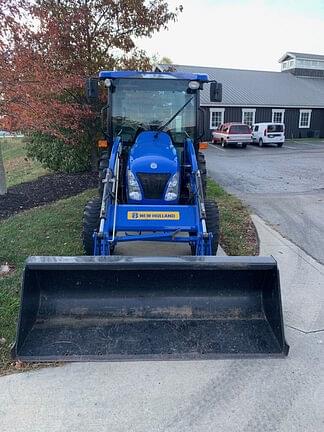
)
(166, 223)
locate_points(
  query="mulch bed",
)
(44, 190)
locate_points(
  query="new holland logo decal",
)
(153, 215)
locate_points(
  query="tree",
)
(168, 64)
(6, 9)
(49, 47)
(166, 60)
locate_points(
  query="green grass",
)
(51, 230)
(19, 168)
(238, 235)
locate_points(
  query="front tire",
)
(260, 142)
(212, 223)
(91, 221)
(280, 144)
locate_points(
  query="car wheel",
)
(243, 145)
(280, 144)
(260, 142)
(223, 143)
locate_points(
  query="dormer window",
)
(302, 64)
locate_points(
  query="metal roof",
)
(252, 88)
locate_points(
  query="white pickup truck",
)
(232, 134)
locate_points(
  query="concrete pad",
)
(222, 395)
(156, 249)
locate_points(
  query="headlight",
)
(172, 191)
(194, 85)
(134, 190)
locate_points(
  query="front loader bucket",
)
(112, 308)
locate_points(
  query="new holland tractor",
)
(153, 178)
(152, 188)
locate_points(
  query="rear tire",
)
(260, 142)
(91, 221)
(203, 171)
(102, 166)
(212, 222)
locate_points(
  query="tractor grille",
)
(153, 184)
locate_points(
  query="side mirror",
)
(216, 92)
(92, 90)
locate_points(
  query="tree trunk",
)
(3, 184)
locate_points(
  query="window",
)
(216, 117)
(248, 116)
(278, 115)
(151, 103)
(275, 128)
(256, 128)
(305, 118)
(240, 129)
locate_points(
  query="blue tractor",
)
(153, 177)
(153, 188)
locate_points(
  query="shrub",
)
(56, 155)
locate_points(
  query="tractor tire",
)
(102, 166)
(91, 221)
(203, 171)
(212, 223)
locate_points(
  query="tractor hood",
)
(153, 161)
(153, 152)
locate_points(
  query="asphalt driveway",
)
(284, 186)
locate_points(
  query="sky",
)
(240, 34)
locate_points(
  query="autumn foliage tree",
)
(49, 47)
